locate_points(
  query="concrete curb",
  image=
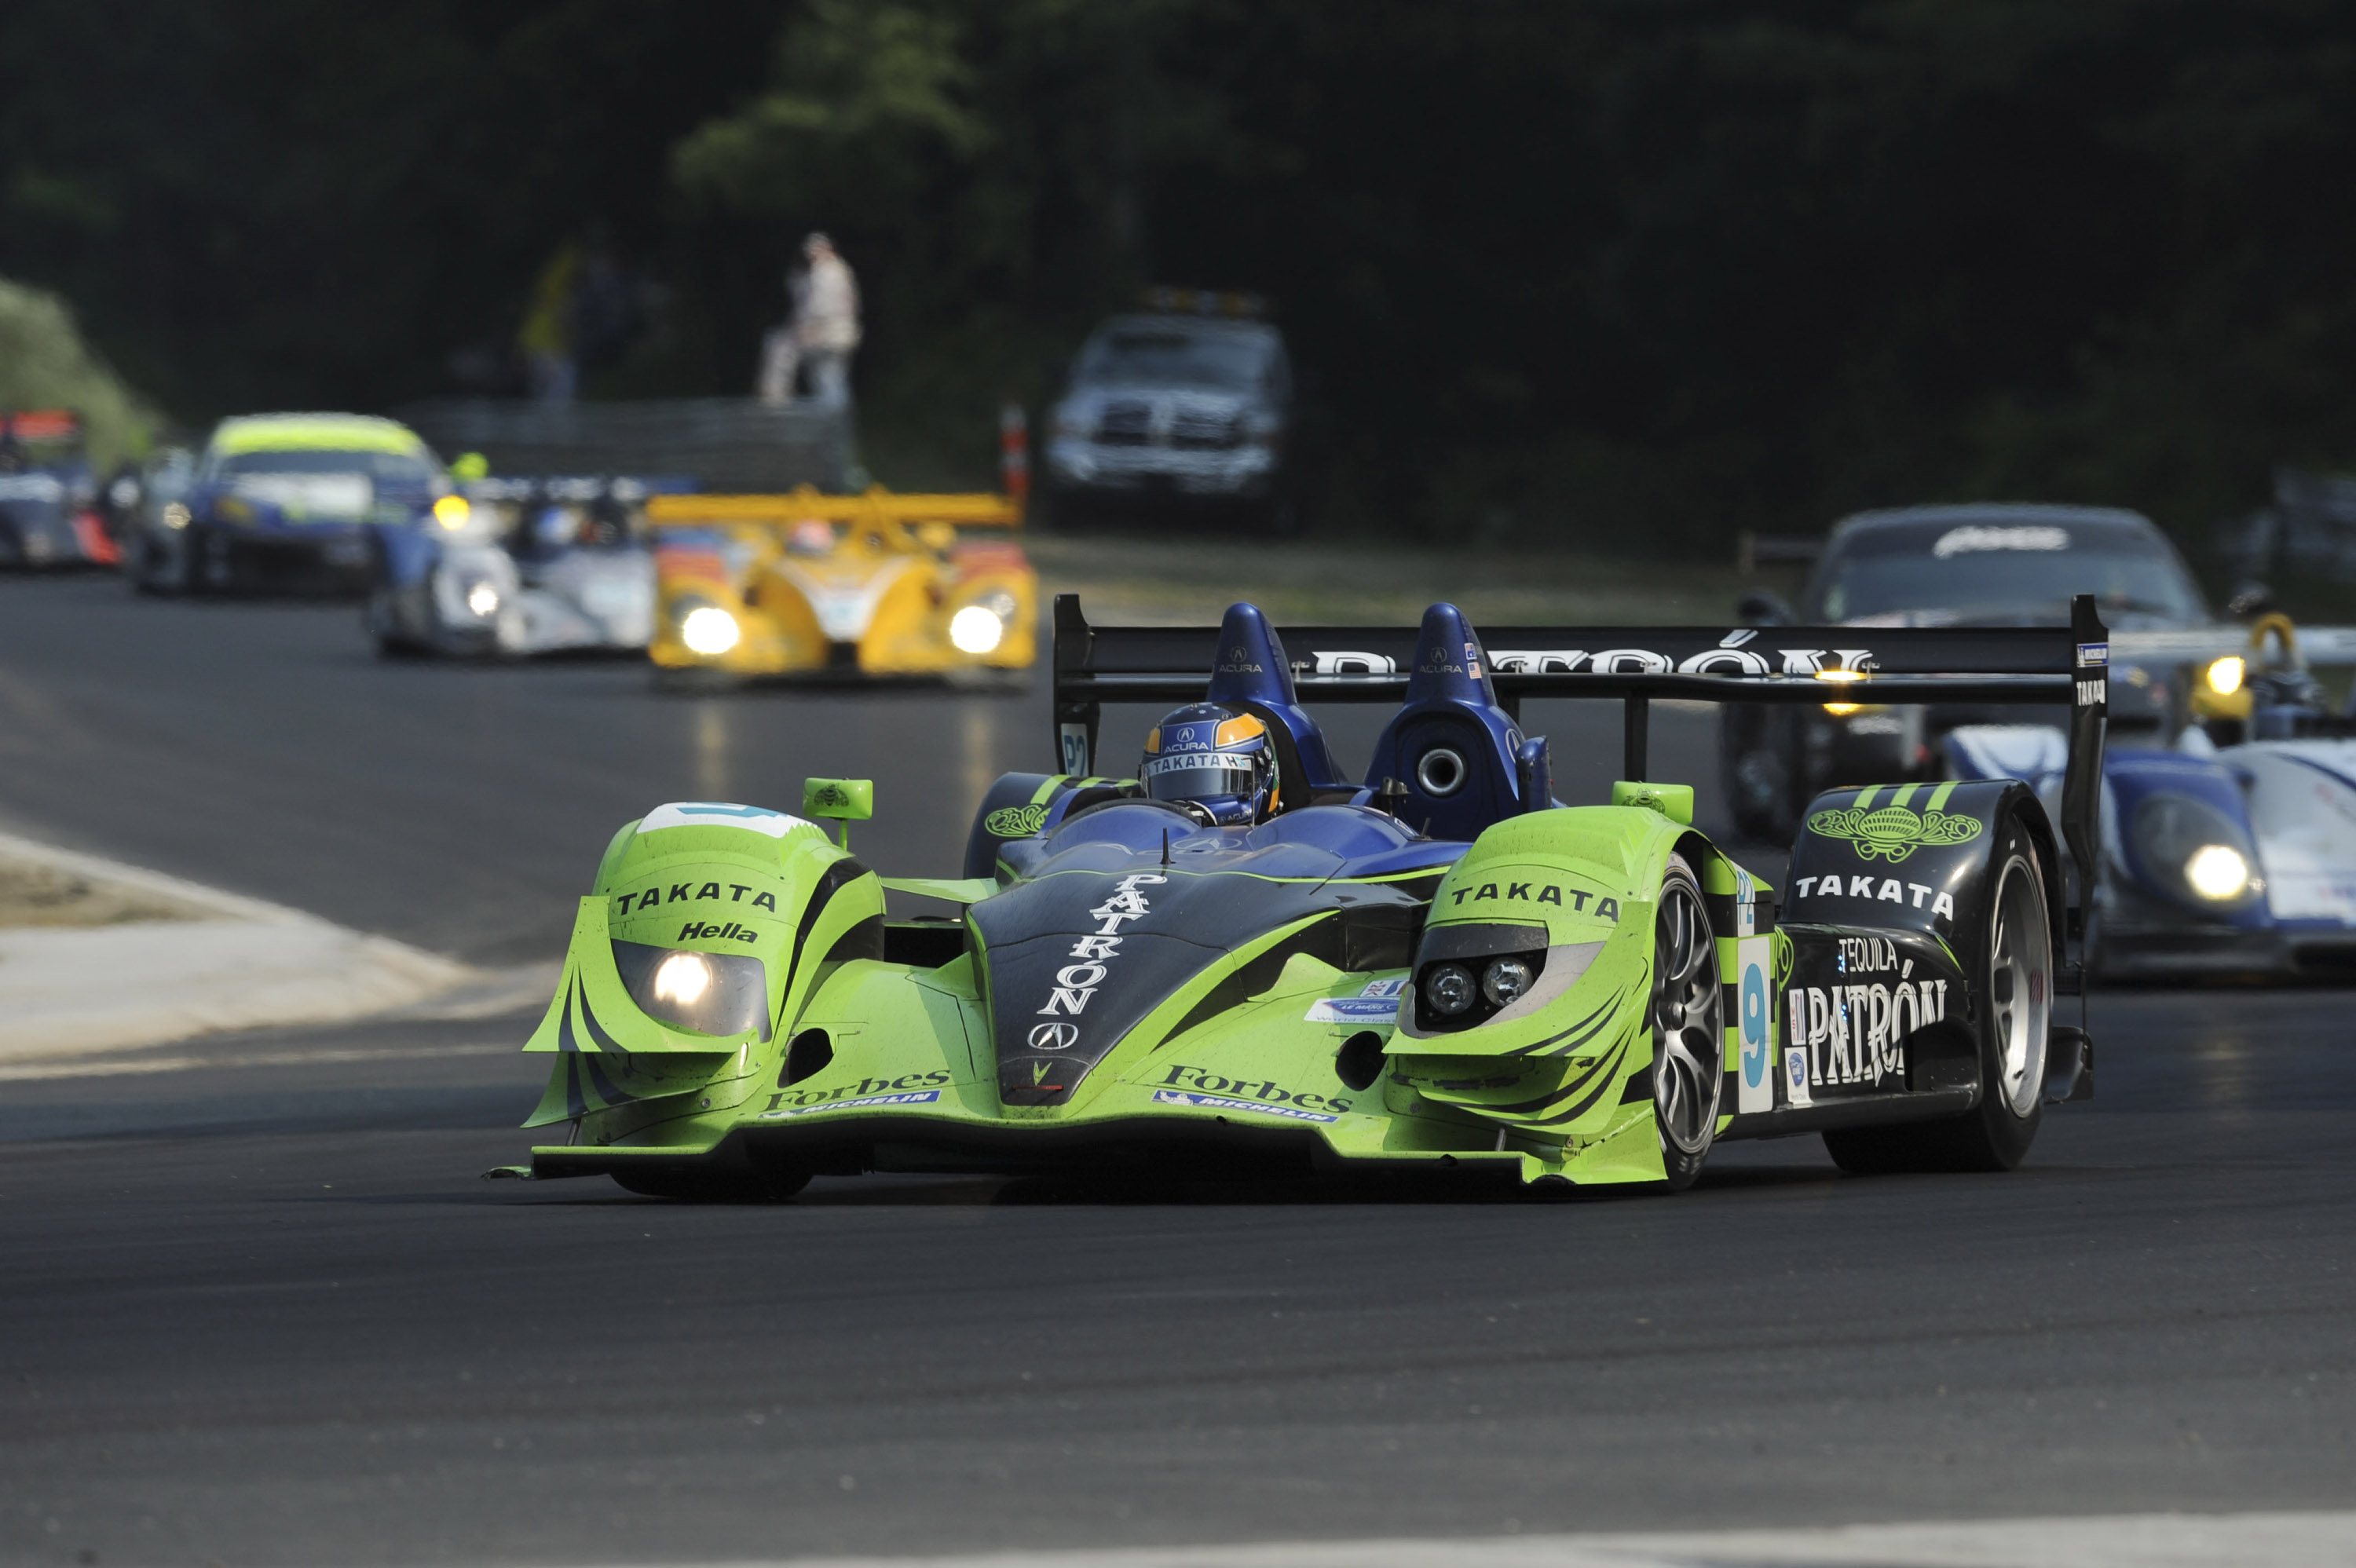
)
(247, 965)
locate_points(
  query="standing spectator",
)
(546, 337)
(821, 333)
(826, 322)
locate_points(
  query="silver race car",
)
(531, 566)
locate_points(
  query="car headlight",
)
(482, 601)
(175, 515)
(1505, 979)
(452, 512)
(2195, 851)
(2217, 871)
(1448, 989)
(2224, 676)
(702, 993)
(976, 630)
(709, 630)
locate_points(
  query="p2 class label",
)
(1754, 1085)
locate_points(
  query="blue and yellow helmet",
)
(1214, 756)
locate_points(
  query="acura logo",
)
(1055, 1037)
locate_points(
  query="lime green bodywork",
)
(1561, 1093)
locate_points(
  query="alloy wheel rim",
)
(2020, 988)
(1687, 1028)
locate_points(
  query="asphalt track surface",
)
(259, 1307)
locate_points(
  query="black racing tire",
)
(712, 1186)
(1688, 1015)
(209, 564)
(2014, 1001)
(156, 569)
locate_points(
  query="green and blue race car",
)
(1243, 962)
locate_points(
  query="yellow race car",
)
(875, 585)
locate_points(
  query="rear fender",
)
(1916, 858)
(1887, 923)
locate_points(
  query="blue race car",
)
(2218, 862)
(292, 501)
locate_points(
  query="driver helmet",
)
(1214, 758)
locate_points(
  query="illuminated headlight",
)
(973, 629)
(452, 512)
(175, 515)
(709, 630)
(1506, 978)
(1448, 990)
(2218, 872)
(482, 601)
(2195, 851)
(2224, 676)
(682, 979)
(702, 993)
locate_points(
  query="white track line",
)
(2315, 1540)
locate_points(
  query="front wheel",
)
(1689, 1027)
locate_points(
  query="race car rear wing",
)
(875, 505)
(2028, 666)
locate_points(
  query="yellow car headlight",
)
(2224, 676)
(976, 630)
(452, 512)
(709, 630)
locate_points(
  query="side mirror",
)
(845, 800)
(2250, 597)
(1760, 608)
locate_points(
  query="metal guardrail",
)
(724, 443)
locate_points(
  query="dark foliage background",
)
(1619, 273)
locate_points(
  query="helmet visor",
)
(1200, 775)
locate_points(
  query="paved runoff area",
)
(261, 1308)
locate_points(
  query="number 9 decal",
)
(1753, 1092)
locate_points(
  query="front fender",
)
(679, 878)
(1557, 1063)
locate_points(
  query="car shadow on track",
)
(1095, 1190)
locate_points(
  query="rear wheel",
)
(2016, 1017)
(1689, 1027)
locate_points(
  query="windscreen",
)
(1163, 357)
(383, 468)
(2004, 571)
